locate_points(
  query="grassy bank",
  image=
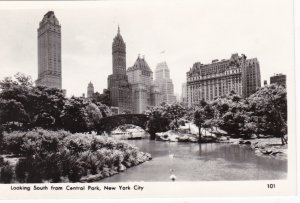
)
(59, 156)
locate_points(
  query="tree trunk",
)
(283, 140)
(199, 139)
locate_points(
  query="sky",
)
(187, 32)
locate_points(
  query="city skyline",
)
(88, 50)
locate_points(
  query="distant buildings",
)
(209, 81)
(118, 85)
(144, 92)
(90, 90)
(183, 97)
(132, 90)
(164, 82)
(279, 79)
(49, 52)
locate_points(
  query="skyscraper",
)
(118, 85)
(144, 92)
(183, 98)
(49, 52)
(164, 82)
(90, 90)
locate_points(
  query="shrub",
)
(49, 156)
(21, 170)
(7, 173)
(76, 172)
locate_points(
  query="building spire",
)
(118, 29)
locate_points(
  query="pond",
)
(205, 162)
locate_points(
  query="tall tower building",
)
(118, 85)
(90, 90)
(144, 92)
(49, 52)
(165, 83)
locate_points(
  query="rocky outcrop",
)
(177, 136)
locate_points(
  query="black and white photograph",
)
(170, 92)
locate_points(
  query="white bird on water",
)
(171, 156)
(172, 176)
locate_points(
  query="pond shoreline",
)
(267, 147)
(108, 172)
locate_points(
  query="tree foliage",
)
(27, 106)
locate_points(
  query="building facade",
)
(144, 92)
(90, 90)
(183, 97)
(165, 83)
(279, 79)
(209, 81)
(49, 52)
(118, 85)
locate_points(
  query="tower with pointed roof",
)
(49, 52)
(118, 85)
(119, 54)
(144, 92)
(90, 90)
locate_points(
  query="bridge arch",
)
(107, 124)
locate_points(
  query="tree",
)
(157, 121)
(93, 114)
(103, 98)
(38, 102)
(203, 116)
(173, 113)
(270, 104)
(74, 117)
(12, 111)
(199, 119)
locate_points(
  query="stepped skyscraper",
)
(118, 85)
(90, 90)
(165, 83)
(49, 52)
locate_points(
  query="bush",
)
(21, 170)
(49, 155)
(7, 173)
(32, 142)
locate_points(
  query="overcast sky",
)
(188, 32)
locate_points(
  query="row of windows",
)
(230, 72)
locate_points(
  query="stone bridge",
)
(107, 124)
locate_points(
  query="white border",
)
(238, 188)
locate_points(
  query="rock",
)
(184, 138)
(121, 168)
(127, 164)
(244, 142)
(193, 139)
(275, 153)
(223, 138)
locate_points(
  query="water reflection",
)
(194, 162)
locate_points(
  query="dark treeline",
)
(24, 106)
